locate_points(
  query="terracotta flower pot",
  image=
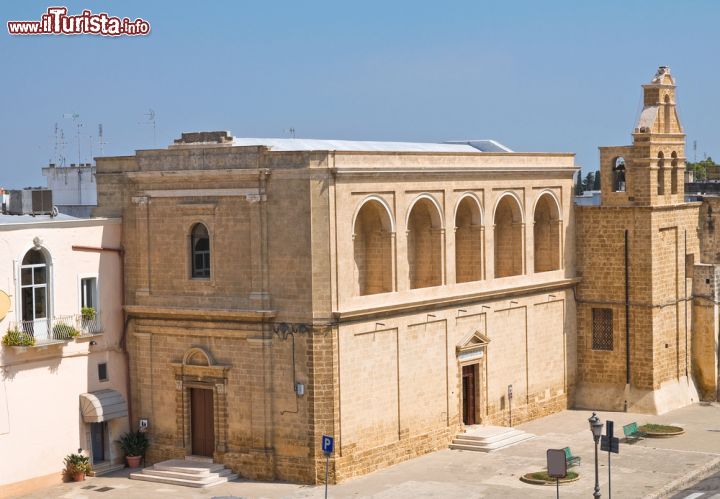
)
(78, 476)
(133, 461)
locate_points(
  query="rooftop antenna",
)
(291, 130)
(59, 149)
(151, 121)
(101, 141)
(694, 151)
(76, 120)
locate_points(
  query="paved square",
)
(643, 469)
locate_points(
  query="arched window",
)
(424, 245)
(674, 173)
(546, 234)
(468, 241)
(373, 249)
(508, 238)
(618, 169)
(200, 251)
(34, 293)
(661, 174)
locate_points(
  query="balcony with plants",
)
(53, 331)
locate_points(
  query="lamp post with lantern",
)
(596, 427)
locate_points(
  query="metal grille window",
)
(200, 251)
(602, 329)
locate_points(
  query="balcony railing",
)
(58, 329)
(90, 326)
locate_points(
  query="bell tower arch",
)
(653, 167)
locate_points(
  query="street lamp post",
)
(596, 427)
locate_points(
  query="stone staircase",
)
(191, 472)
(488, 438)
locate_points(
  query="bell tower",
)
(635, 260)
(651, 171)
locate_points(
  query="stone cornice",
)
(204, 174)
(441, 171)
(217, 315)
(433, 304)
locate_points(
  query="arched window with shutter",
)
(200, 251)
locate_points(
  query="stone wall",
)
(660, 241)
(706, 325)
(400, 381)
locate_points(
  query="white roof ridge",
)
(302, 144)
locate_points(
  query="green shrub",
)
(61, 331)
(77, 463)
(134, 443)
(16, 338)
(88, 313)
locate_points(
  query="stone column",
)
(259, 296)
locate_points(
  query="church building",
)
(393, 294)
(383, 293)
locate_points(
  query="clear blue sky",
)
(535, 75)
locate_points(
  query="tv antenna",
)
(151, 121)
(694, 151)
(59, 150)
(76, 120)
(291, 131)
(101, 141)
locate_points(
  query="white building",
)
(68, 390)
(73, 187)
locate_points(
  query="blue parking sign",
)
(328, 443)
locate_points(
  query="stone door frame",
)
(198, 369)
(472, 351)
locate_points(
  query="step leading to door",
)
(190, 473)
(488, 438)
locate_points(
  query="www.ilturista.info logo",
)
(56, 22)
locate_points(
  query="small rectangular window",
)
(602, 329)
(88, 292)
(102, 371)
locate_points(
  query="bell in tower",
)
(650, 172)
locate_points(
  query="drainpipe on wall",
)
(687, 356)
(627, 320)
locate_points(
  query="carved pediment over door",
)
(472, 346)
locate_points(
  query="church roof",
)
(288, 144)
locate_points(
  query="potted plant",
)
(76, 466)
(65, 331)
(88, 315)
(134, 444)
(16, 338)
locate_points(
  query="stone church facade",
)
(382, 296)
(389, 294)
